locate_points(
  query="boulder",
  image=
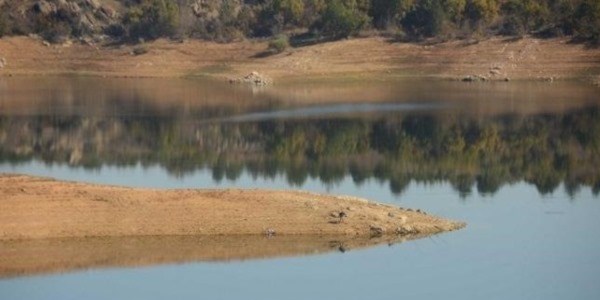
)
(2, 62)
(376, 230)
(406, 229)
(253, 78)
(44, 8)
(474, 78)
(94, 4)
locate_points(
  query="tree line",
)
(317, 20)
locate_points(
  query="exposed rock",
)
(547, 79)
(403, 219)
(406, 229)
(253, 78)
(44, 8)
(270, 232)
(474, 78)
(2, 62)
(495, 72)
(376, 230)
(46, 43)
(338, 217)
(108, 11)
(95, 4)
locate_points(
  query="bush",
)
(480, 13)
(279, 44)
(139, 50)
(152, 19)
(587, 21)
(425, 19)
(342, 19)
(3, 21)
(52, 30)
(523, 16)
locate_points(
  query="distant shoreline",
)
(359, 59)
(38, 208)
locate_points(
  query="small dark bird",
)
(342, 215)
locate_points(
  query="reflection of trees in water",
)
(544, 150)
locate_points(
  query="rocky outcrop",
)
(254, 78)
(60, 20)
(474, 78)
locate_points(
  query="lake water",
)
(518, 162)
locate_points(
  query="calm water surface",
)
(519, 162)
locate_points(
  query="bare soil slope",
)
(32, 207)
(495, 58)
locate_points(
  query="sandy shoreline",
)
(38, 208)
(373, 58)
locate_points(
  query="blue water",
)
(517, 245)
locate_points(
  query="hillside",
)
(302, 39)
(302, 21)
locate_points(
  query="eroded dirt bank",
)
(37, 208)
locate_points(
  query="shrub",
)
(3, 21)
(342, 19)
(587, 20)
(139, 50)
(523, 16)
(116, 30)
(152, 19)
(425, 19)
(279, 44)
(479, 13)
(53, 31)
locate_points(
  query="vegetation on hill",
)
(313, 20)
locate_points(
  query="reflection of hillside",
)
(545, 150)
(90, 96)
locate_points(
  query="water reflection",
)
(423, 136)
(32, 257)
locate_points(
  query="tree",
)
(342, 18)
(523, 16)
(425, 19)
(587, 16)
(292, 10)
(478, 13)
(387, 12)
